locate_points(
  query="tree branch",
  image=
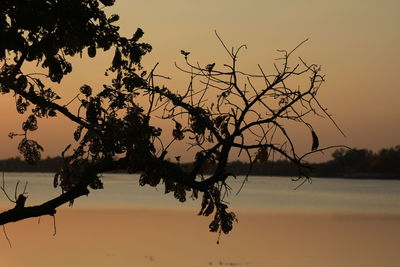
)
(48, 208)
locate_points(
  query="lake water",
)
(258, 194)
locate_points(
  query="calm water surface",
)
(258, 194)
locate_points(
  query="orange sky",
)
(356, 42)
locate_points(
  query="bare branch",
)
(5, 234)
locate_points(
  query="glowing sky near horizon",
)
(356, 42)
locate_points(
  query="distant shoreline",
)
(354, 164)
(367, 177)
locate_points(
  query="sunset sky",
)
(356, 42)
(334, 222)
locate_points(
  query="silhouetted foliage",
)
(115, 132)
(362, 163)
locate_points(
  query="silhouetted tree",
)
(363, 163)
(353, 160)
(115, 132)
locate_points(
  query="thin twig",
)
(3, 188)
(223, 44)
(54, 224)
(302, 183)
(5, 234)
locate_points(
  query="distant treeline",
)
(345, 163)
(355, 163)
(361, 163)
(19, 165)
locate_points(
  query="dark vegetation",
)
(115, 128)
(354, 163)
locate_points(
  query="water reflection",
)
(259, 194)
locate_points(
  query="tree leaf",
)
(315, 141)
(30, 124)
(107, 2)
(92, 51)
(137, 35)
(31, 150)
(113, 18)
(78, 132)
(117, 60)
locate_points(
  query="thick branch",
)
(173, 172)
(47, 208)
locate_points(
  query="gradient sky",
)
(356, 42)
